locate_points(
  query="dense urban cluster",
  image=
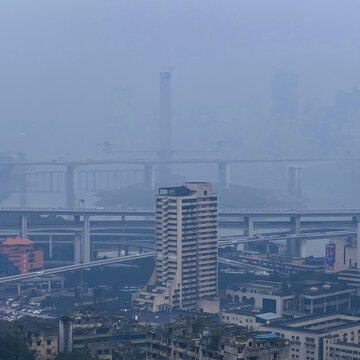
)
(204, 296)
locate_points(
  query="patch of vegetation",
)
(14, 348)
(74, 356)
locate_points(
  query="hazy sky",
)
(75, 73)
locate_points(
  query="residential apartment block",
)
(185, 275)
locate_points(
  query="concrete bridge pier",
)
(295, 221)
(358, 241)
(250, 223)
(24, 232)
(50, 246)
(294, 185)
(77, 249)
(224, 174)
(49, 286)
(149, 177)
(19, 289)
(69, 187)
(302, 247)
(86, 240)
(296, 248)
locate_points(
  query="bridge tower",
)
(294, 185)
(165, 131)
(224, 174)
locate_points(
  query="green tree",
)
(13, 348)
(74, 356)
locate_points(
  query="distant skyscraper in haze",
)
(185, 275)
(165, 128)
(285, 96)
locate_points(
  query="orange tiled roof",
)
(17, 241)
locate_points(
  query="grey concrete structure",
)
(24, 225)
(224, 174)
(69, 187)
(294, 181)
(165, 128)
(149, 176)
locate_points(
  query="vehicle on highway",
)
(262, 273)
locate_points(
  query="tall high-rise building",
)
(185, 275)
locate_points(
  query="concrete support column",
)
(69, 187)
(77, 248)
(140, 250)
(126, 248)
(358, 242)
(302, 248)
(24, 232)
(65, 334)
(62, 283)
(224, 175)
(296, 247)
(50, 246)
(290, 246)
(19, 289)
(149, 177)
(250, 223)
(49, 286)
(295, 220)
(86, 239)
(268, 247)
(294, 185)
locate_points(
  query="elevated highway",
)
(223, 242)
(138, 224)
(149, 212)
(63, 269)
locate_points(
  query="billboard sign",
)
(329, 257)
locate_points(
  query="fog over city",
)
(179, 179)
(250, 80)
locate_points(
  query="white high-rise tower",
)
(185, 275)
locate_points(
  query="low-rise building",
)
(105, 334)
(302, 298)
(341, 254)
(351, 277)
(252, 320)
(201, 337)
(44, 341)
(22, 254)
(335, 349)
(40, 335)
(307, 334)
(280, 263)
